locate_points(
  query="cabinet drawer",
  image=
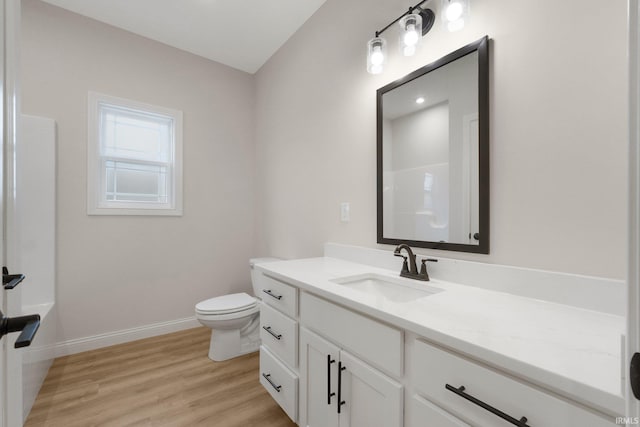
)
(279, 295)
(425, 413)
(280, 382)
(434, 368)
(375, 342)
(279, 334)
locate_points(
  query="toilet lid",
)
(225, 304)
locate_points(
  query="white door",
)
(3, 136)
(633, 286)
(371, 399)
(318, 381)
(10, 303)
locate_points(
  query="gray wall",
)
(558, 131)
(121, 272)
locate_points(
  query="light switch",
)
(344, 212)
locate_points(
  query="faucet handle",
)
(405, 266)
(423, 268)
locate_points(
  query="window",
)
(135, 158)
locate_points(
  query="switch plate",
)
(345, 214)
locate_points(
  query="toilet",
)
(234, 320)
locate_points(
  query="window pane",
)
(128, 181)
(135, 135)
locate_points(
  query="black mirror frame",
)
(482, 47)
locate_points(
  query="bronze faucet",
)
(411, 270)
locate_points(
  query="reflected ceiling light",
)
(420, 100)
(455, 13)
(414, 24)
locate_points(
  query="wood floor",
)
(160, 381)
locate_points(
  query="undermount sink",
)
(396, 290)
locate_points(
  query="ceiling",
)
(240, 34)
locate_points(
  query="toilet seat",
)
(227, 304)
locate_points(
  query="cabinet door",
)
(371, 399)
(318, 381)
(426, 414)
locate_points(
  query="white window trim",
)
(94, 169)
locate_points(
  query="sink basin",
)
(396, 290)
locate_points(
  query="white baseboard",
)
(79, 345)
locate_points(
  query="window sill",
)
(134, 212)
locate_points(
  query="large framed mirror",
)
(433, 154)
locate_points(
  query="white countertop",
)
(572, 351)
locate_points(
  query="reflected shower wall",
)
(416, 174)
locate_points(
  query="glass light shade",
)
(376, 55)
(411, 33)
(455, 14)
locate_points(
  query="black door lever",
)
(10, 281)
(27, 324)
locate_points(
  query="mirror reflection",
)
(429, 132)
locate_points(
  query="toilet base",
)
(227, 344)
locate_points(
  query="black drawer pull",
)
(271, 294)
(268, 378)
(522, 422)
(268, 329)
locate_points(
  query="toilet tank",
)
(255, 276)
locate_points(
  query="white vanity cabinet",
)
(340, 390)
(279, 338)
(486, 397)
(425, 413)
(329, 364)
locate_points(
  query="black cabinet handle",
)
(268, 378)
(340, 401)
(10, 281)
(522, 422)
(329, 394)
(271, 294)
(268, 329)
(27, 324)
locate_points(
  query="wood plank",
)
(160, 381)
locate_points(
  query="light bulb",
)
(377, 57)
(454, 11)
(411, 25)
(455, 14)
(408, 50)
(455, 25)
(375, 69)
(411, 35)
(419, 100)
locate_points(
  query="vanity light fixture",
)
(454, 14)
(414, 24)
(411, 33)
(376, 54)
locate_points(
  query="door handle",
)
(340, 401)
(26, 325)
(10, 281)
(329, 394)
